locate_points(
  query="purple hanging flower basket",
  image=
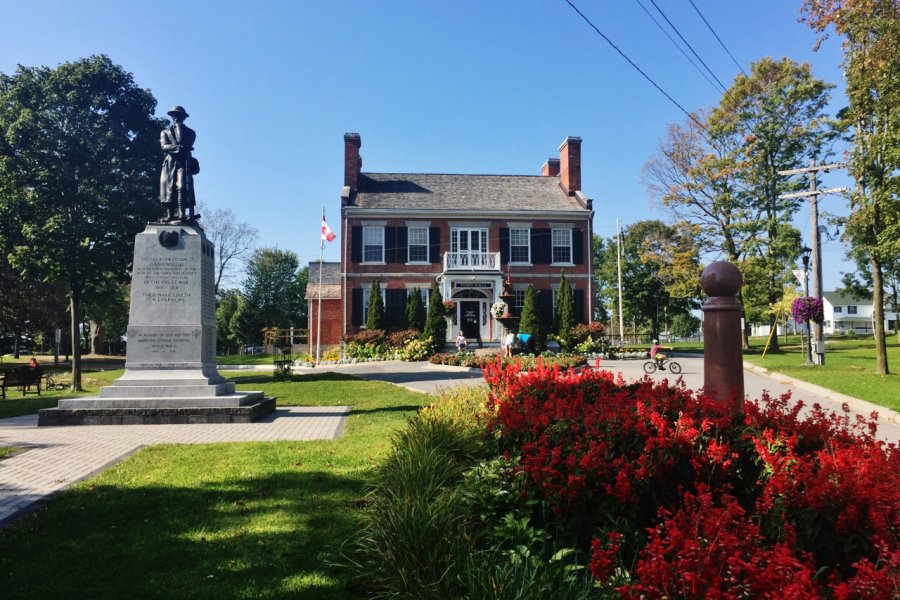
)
(807, 308)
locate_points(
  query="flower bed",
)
(469, 359)
(668, 494)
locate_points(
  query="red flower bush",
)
(705, 502)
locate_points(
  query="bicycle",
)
(51, 384)
(651, 366)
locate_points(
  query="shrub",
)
(399, 339)
(435, 324)
(564, 315)
(376, 319)
(416, 349)
(530, 322)
(415, 310)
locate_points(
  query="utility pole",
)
(619, 267)
(813, 194)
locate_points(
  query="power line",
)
(638, 69)
(691, 48)
(676, 44)
(721, 43)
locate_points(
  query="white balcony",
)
(471, 261)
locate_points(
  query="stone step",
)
(232, 400)
(166, 391)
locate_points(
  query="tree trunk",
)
(881, 361)
(16, 348)
(75, 310)
(97, 336)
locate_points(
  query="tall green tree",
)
(79, 161)
(228, 334)
(273, 295)
(375, 317)
(415, 310)
(530, 321)
(871, 36)
(564, 315)
(435, 323)
(779, 110)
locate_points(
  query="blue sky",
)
(489, 87)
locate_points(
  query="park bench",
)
(24, 377)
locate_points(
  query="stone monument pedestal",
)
(170, 369)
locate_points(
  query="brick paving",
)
(58, 457)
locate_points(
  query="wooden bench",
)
(24, 377)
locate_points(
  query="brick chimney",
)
(550, 168)
(352, 160)
(570, 164)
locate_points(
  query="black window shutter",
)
(578, 301)
(356, 310)
(395, 308)
(578, 246)
(390, 244)
(545, 308)
(434, 244)
(540, 247)
(356, 243)
(402, 245)
(504, 245)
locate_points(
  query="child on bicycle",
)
(658, 356)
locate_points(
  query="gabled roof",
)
(422, 191)
(836, 299)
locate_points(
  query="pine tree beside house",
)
(564, 316)
(415, 311)
(376, 317)
(531, 320)
(435, 323)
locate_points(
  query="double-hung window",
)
(520, 245)
(373, 244)
(519, 300)
(851, 310)
(838, 309)
(418, 244)
(562, 246)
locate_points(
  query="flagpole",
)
(319, 310)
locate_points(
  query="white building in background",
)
(844, 314)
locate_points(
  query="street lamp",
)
(804, 256)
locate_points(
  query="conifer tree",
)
(531, 320)
(435, 323)
(564, 317)
(415, 311)
(376, 317)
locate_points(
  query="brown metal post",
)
(723, 369)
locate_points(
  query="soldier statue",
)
(176, 181)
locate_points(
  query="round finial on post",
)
(723, 365)
(721, 278)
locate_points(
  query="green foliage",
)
(228, 334)
(564, 317)
(415, 350)
(435, 323)
(531, 321)
(685, 325)
(415, 310)
(79, 164)
(272, 293)
(376, 318)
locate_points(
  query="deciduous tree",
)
(272, 293)
(871, 36)
(79, 160)
(234, 240)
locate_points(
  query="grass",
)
(240, 520)
(15, 404)
(7, 451)
(849, 368)
(245, 359)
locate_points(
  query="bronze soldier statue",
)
(176, 181)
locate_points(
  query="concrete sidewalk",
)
(58, 457)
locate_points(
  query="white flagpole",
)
(319, 310)
(619, 268)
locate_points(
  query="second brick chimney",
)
(570, 165)
(352, 160)
(550, 168)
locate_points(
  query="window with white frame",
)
(367, 294)
(851, 310)
(373, 244)
(562, 246)
(520, 245)
(418, 244)
(519, 301)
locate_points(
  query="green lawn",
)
(243, 520)
(849, 368)
(245, 359)
(16, 404)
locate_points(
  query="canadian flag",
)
(327, 233)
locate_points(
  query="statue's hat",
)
(177, 110)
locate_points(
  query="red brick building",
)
(467, 232)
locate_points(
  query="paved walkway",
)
(58, 457)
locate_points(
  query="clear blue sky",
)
(467, 86)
